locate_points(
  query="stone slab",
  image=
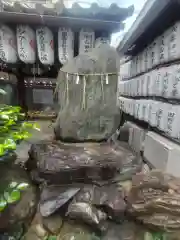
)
(162, 153)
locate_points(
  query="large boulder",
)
(88, 106)
(17, 198)
(60, 163)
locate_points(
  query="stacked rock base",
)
(83, 189)
(89, 191)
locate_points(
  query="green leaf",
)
(2, 150)
(22, 186)
(3, 204)
(4, 129)
(4, 116)
(157, 236)
(22, 114)
(36, 127)
(13, 184)
(15, 118)
(17, 136)
(10, 122)
(27, 125)
(25, 135)
(13, 196)
(10, 144)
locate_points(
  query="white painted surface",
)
(162, 153)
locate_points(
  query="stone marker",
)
(88, 102)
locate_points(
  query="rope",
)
(84, 93)
(67, 89)
(102, 87)
(92, 74)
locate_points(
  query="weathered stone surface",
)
(58, 163)
(31, 235)
(134, 231)
(22, 210)
(121, 232)
(108, 198)
(40, 231)
(53, 224)
(87, 213)
(36, 229)
(126, 186)
(154, 200)
(54, 197)
(88, 109)
(71, 230)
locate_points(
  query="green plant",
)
(159, 236)
(13, 128)
(12, 194)
(155, 236)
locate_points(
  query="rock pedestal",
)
(59, 163)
